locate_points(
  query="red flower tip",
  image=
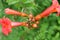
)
(58, 10)
(55, 3)
(6, 25)
(57, 7)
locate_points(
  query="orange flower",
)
(48, 11)
(7, 25)
(14, 12)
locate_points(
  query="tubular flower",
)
(48, 11)
(7, 25)
(14, 12)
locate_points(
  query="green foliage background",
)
(48, 29)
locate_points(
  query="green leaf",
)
(11, 2)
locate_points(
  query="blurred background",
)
(48, 28)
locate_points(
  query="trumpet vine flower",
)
(7, 25)
(53, 8)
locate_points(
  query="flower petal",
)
(4, 31)
(58, 10)
(6, 26)
(9, 29)
(55, 3)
